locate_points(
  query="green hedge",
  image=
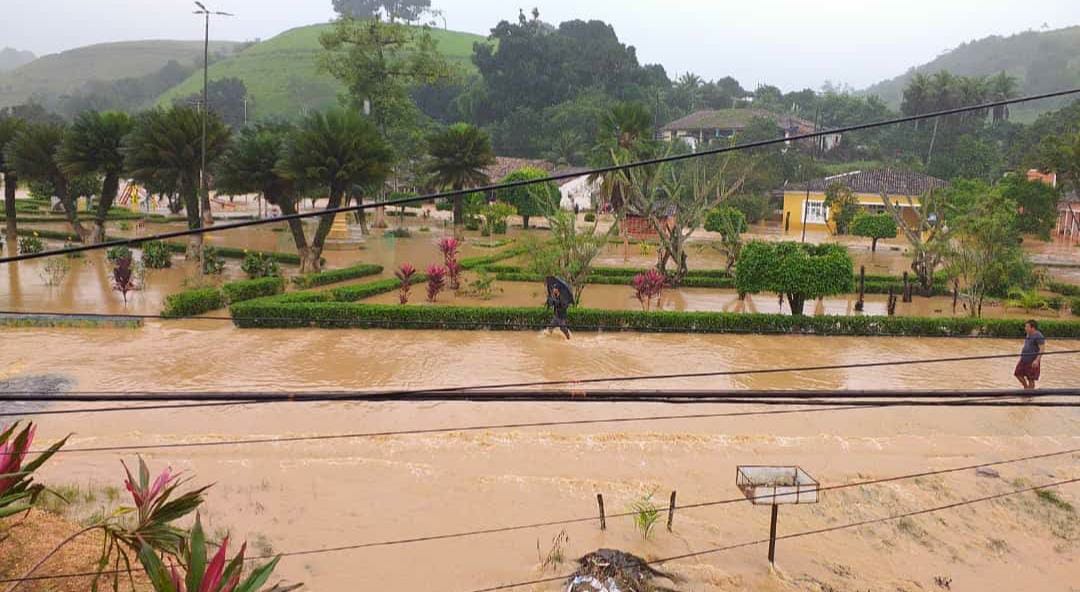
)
(487, 260)
(193, 302)
(1063, 288)
(271, 312)
(337, 275)
(1074, 306)
(227, 252)
(251, 289)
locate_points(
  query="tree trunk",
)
(190, 196)
(110, 186)
(325, 223)
(309, 262)
(525, 222)
(797, 303)
(11, 183)
(459, 213)
(207, 212)
(873, 246)
(71, 210)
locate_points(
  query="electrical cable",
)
(526, 182)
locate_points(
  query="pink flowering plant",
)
(649, 285)
(17, 488)
(449, 248)
(196, 574)
(405, 275)
(436, 282)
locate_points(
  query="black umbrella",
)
(566, 293)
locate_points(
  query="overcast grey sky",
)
(790, 43)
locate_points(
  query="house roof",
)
(734, 119)
(891, 181)
(505, 165)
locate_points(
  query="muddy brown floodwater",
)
(311, 495)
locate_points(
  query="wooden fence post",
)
(671, 511)
(603, 519)
(862, 289)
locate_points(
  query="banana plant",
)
(217, 575)
(17, 488)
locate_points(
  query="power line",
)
(526, 182)
(497, 530)
(807, 533)
(463, 392)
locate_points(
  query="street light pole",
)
(204, 188)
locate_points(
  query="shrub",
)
(193, 302)
(647, 286)
(405, 275)
(17, 488)
(449, 248)
(31, 245)
(67, 245)
(400, 232)
(797, 271)
(55, 270)
(337, 275)
(1063, 288)
(726, 220)
(156, 255)
(115, 254)
(1074, 306)
(590, 217)
(436, 278)
(212, 262)
(874, 227)
(754, 207)
(257, 265)
(251, 289)
(443, 206)
(646, 514)
(483, 287)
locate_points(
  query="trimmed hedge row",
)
(273, 313)
(193, 302)
(227, 252)
(618, 280)
(488, 260)
(252, 289)
(1074, 306)
(337, 275)
(1063, 288)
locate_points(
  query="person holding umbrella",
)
(560, 297)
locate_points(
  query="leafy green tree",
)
(754, 206)
(927, 235)
(985, 254)
(228, 98)
(570, 251)
(336, 151)
(406, 10)
(843, 205)
(1061, 154)
(251, 165)
(1037, 203)
(731, 224)
(165, 148)
(796, 271)
(874, 227)
(459, 156)
(537, 199)
(9, 128)
(32, 154)
(92, 146)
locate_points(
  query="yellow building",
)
(805, 205)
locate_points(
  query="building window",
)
(815, 212)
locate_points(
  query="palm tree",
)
(250, 165)
(565, 149)
(32, 154)
(92, 146)
(916, 96)
(1002, 88)
(459, 156)
(164, 147)
(9, 127)
(336, 151)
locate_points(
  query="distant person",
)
(1030, 364)
(560, 306)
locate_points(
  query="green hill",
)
(1044, 61)
(282, 77)
(62, 73)
(12, 58)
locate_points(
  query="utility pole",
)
(204, 188)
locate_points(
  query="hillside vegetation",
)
(282, 76)
(1043, 61)
(65, 72)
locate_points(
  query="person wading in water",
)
(1029, 367)
(560, 305)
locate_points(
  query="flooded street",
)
(311, 495)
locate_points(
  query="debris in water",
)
(608, 570)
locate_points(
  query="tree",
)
(1060, 153)
(570, 252)
(335, 151)
(250, 165)
(530, 200)
(874, 227)
(33, 156)
(985, 255)
(164, 149)
(731, 224)
(92, 146)
(928, 234)
(1002, 87)
(228, 98)
(796, 271)
(406, 10)
(1037, 203)
(843, 205)
(459, 156)
(9, 128)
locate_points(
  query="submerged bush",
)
(257, 265)
(156, 255)
(193, 302)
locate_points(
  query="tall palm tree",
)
(32, 154)
(9, 127)
(459, 156)
(250, 165)
(1002, 88)
(916, 99)
(92, 146)
(625, 136)
(164, 146)
(336, 150)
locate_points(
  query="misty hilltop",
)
(11, 58)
